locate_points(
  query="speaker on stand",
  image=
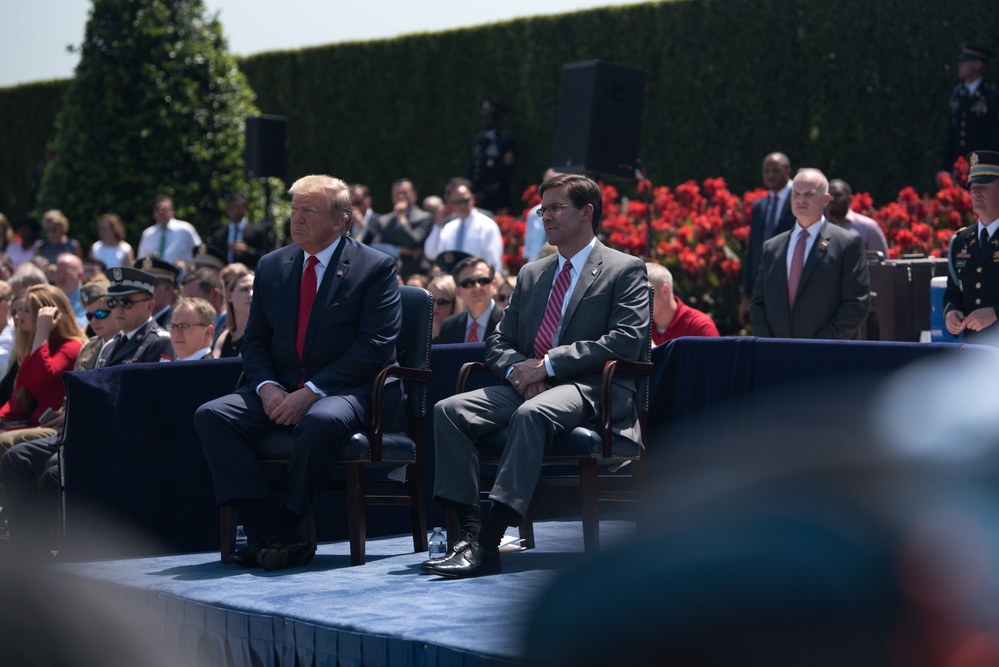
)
(264, 154)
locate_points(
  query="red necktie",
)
(553, 313)
(797, 263)
(306, 297)
(473, 333)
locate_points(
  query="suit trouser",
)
(228, 427)
(30, 472)
(460, 421)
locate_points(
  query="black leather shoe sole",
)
(280, 556)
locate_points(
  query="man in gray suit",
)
(813, 280)
(569, 313)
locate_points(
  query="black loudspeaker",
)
(599, 118)
(265, 147)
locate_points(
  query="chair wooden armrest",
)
(604, 419)
(466, 372)
(377, 428)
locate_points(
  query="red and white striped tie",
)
(553, 312)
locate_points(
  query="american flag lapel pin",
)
(339, 274)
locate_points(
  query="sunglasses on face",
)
(443, 302)
(183, 327)
(127, 305)
(98, 314)
(472, 282)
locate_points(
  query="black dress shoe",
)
(474, 561)
(281, 555)
(247, 555)
(467, 540)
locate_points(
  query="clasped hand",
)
(284, 408)
(529, 378)
(976, 320)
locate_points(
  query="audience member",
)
(492, 161)
(6, 233)
(24, 277)
(47, 342)
(140, 339)
(534, 229)
(93, 268)
(191, 329)
(442, 288)
(470, 231)
(401, 233)
(475, 287)
(973, 109)
(169, 239)
(239, 295)
(420, 280)
(671, 317)
(207, 284)
(111, 248)
(972, 294)
(28, 230)
(435, 206)
(549, 348)
(309, 362)
(56, 242)
(504, 289)
(813, 280)
(68, 278)
(209, 257)
(360, 200)
(239, 240)
(7, 324)
(165, 289)
(771, 215)
(839, 213)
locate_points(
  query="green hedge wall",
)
(858, 89)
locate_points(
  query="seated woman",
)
(442, 287)
(239, 294)
(48, 341)
(56, 226)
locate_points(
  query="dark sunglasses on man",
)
(124, 303)
(468, 283)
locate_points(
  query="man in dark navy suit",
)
(475, 285)
(324, 320)
(771, 215)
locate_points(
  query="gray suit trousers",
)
(461, 420)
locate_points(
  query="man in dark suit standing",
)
(771, 215)
(324, 320)
(402, 232)
(813, 280)
(569, 313)
(240, 240)
(475, 285)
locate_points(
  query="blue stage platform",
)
(329, 613)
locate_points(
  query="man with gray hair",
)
(671, 317)
(813, 280)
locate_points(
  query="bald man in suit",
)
(311, 374)
(813, 280)
(568, 314)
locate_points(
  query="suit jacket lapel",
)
(587, 275)
(782, 275)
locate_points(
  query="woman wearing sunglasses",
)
(47, 342)
(442, 287)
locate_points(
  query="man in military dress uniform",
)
(492, 161)
(130, 298)
(972, 297)
(973, 110)
(165, 293)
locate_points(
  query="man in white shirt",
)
(169, 239)
(469, 231)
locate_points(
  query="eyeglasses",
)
(463, 200)
(554, 209)
(443, 302)
(472, 282)
(98, 314)
(127, 305)
(183, 327)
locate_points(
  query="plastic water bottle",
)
(240, 538)
(438, 543)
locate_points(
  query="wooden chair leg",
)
(418, 512)
(589, 502)
(452, 528)
(526, 529)
(355, 512)
(227, 520)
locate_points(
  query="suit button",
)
(978, 302)
(978, 286)
(979, 269)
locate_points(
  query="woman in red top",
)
(47, 343)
